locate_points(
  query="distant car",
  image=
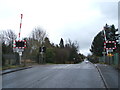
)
(86, 61)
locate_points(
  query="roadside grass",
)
(50, 63)
(17, 66)
(11, 67)
(0, 68)
(102, 63)
(115, 66)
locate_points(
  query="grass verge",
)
(11, 67)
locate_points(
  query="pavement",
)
(15, 69)
(110, 74)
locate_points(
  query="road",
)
(83, 75)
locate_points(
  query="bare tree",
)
(74, 45)
(7, 37)
(34, 41)
(38, 35)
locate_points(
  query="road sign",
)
(103, 52)
(20, 53)
(110, 50)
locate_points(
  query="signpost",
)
(42, 50)
(110, 50)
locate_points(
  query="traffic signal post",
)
(42, 50)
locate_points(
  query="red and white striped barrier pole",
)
(20, 53)
(20, 26)
(105, 41)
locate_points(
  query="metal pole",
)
(41, 52)
(41, 59)
(20, 54)
(20, 59)
(103, 60)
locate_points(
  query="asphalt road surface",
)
(83, 75)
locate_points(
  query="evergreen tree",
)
(61, 43)
(47, 42)
(112, 34)
(97, 45)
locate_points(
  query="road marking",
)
(61, 67)
(73, 66)
(45, 78)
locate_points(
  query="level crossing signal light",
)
(110, 54)
(19, 44)
(110, 45)
(42, 49)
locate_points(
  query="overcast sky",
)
(78, 20)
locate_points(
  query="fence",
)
(111, 60)
(13, 59)
(9, 59)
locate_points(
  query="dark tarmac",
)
(83, 75)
